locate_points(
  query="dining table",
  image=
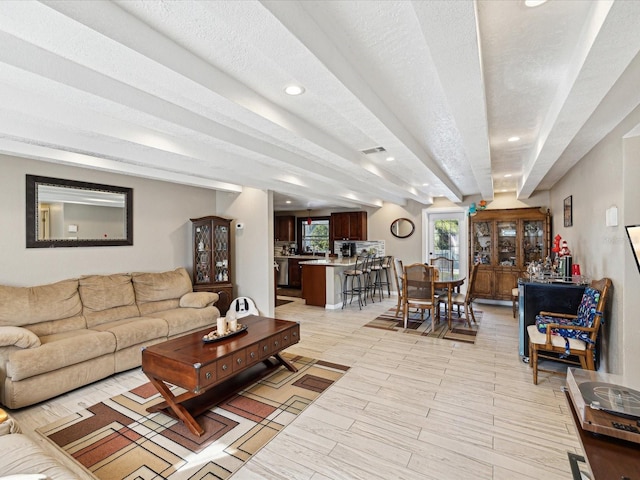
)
(449, 281)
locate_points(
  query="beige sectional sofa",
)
(58, 337)
(23, 459)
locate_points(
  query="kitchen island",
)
(322, 281)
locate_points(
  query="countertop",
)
(331, 262)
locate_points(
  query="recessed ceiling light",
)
(425, 184)
(513, 139)
(534, 3)
(390, 159)
(507, 175)
(288, 201)
(294, 90)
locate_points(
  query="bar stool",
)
(355, 275)
(382, 275)
(367, 276)
(376, 276)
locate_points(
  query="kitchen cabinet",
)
(314, 284)
(212, 258)
(284, 228)
(349, 226)
(295, 276)
(504, 242)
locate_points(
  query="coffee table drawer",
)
(265, 348)
(208, 375)
(276, 343)
(253, 354)
(290, 336)
(240, 360)
(224, 366)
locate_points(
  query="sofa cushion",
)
(154, 287)
(181, 320)
(134, 331)
(21, 306)
(58, 351)
(198, 299)
(18, 336)
(107, 298)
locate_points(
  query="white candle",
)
(233, 325)
(222, 326)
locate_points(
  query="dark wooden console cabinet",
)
(535, 297)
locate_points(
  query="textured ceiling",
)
(192, 92)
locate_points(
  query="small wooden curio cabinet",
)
(504, 242)
(212, 259)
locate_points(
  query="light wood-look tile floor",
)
(410, 407)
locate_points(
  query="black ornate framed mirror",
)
(67, 213)
(402, 228)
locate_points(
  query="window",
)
(314, 237)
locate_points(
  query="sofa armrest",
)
(19, 337)
(7, 424)
(198, 299)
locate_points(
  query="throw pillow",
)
(198, 299)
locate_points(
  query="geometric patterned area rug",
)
(119, 439)
(460, 331)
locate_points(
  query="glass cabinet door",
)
(202, 239)
(506, 239)
(482, 242)
(221, 254)
(533, 241)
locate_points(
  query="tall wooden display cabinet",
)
(212, 259)
(504, 242)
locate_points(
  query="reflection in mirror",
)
(402, 228)
(66, 213)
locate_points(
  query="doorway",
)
(446, 236)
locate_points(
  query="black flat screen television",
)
(633, 232)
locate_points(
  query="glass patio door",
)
(446, 237)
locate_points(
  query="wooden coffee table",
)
(227, 364)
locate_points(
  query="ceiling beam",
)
(339, 61)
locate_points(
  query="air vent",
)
(369, 151)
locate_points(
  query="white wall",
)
(629, 214)
(603, 178)
(379, 221)
(161, 229)
(253, 245)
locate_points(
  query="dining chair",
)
(465, 300)
(398, 271)
(444, 266)
(570, 338)
(419, 291)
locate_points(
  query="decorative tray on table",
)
(213, 336)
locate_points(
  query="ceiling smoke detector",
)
(369, 151)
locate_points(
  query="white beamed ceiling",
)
(193, 92)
